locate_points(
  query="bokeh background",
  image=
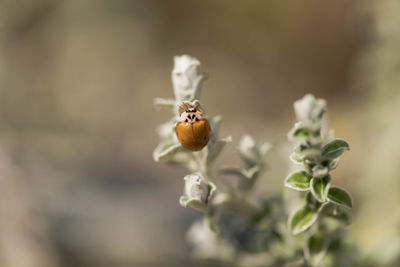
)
(78, 185)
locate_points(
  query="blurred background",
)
(78, 185)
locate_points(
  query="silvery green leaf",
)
(298, 180)
(251, 152)
(166, 151)
(309, 109)
(198, 192)
(302, 219)
(247, 149)
(186, 78)
(334, 148)
(319, 171)
(339, 196)
(320, 187)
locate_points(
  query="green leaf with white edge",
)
(320, 187)
(334, 148)
(302, 133)
(298, 181)
(339, 196)
(299, 132)
(296, 158)
(166, 151)
(333, 164)
(302, 219)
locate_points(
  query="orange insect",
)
(192, 130)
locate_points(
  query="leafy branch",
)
(238, 227)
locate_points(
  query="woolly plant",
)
(240, 228)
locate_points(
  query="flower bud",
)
(198, 192)
(308, 109)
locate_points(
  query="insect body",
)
(192, 130)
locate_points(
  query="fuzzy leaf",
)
(187, 78)
(247, 150)
(310, 154)
(296, 158)
(309, 109)
(333, 164)
(319, 171)
(334, 148)
(299, 181)
(299, 132)
(339, 196)
(165, 151)
(198, 192)
(320, 187)
(251, 152)
(302, 219)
